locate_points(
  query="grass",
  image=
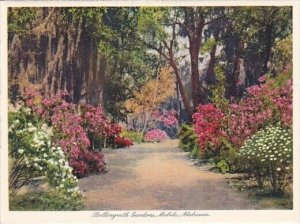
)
(135, 136)
(263, 198)
(42, 201)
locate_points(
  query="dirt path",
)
(157, 177)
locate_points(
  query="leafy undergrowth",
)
(42, 201)
(263, 198)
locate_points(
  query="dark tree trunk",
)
(185, 100)
(232, 79)
(57, 55)
(268, 46)
(194, 23)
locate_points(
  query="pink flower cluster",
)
(96, 122)
(265, 104)
(169, 118)
(155, 135)
(72, 127)
(208, 126)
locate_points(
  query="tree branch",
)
(214, 20)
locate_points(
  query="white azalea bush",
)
(33, 155)
(268, 155)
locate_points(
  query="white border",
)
(278, 216)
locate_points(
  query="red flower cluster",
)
(89, 162)
(122, 142)
(208, 126)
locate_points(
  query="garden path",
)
(158, 177)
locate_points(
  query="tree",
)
(251, 35)
(153, 23)
(151, 95)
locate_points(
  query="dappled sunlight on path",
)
(157, 176)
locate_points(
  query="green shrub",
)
(230, 155)
(195, 153)
(43, 201)
(222, 166)
(188, 139)
(137, 137)
(268, 156)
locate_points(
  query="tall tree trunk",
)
(195, 75)
(210, 71)
(179, 108)
(57, 55)
(268, 46)
(232, 79)
(185, 100)
(193, 25)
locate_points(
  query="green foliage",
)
(151, 21)
(250, 22)
(43, 201)
(283, 52)
(268, 156)
(229, 154)
(222, 166)
(218, 90)
(19, 19)
(195, 153)
(208, 45)
(188, 139)
(135, 136)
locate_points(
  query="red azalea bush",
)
(122, 142)
(265, 104)
(208, 126)
(89, 162)
(155, 135)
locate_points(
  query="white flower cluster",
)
(270, 146)
(34, 147)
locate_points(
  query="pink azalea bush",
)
(169, 118)
(265, 105)
(155, 135)
(268, 103)
(76, 129)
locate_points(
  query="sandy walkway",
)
(157, 177)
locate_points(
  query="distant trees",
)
(130, 43)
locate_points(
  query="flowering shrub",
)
(268, 154)
(155, 135)
(89, 162)
(96, 123)
(123, 142)
(208, 126)
(168, 118)
(70, 128)
(33, 155)
(265, 105)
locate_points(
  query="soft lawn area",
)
(264, 198)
